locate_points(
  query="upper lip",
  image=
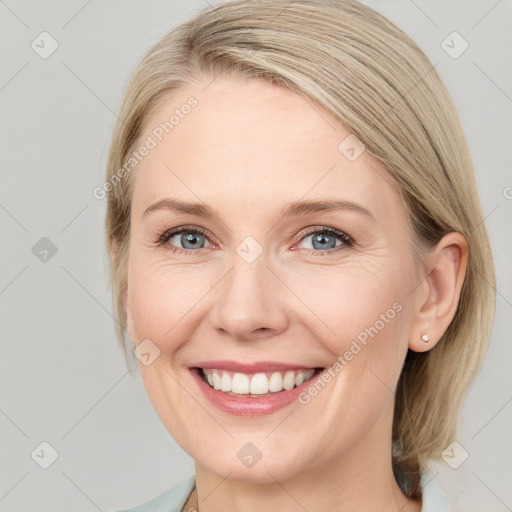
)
(255, 367)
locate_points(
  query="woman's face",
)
(257, 282)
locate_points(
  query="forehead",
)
(254, 143)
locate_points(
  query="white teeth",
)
(225, 382)
(289, 380)
(256, 384)
(216, 381)
(240, 384)
(275, 382)
(259, 384)
(308, 374)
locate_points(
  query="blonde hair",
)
(373, 78)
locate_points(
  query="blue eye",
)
(327, 240)
(322, 241)
(186, 240)
(190, 240)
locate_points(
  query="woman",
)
(298, 254)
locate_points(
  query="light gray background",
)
(63, 376)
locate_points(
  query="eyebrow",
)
(181, 207)
(306, 207)
(297, 208)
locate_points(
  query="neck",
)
(360, 479)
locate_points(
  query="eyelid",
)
(310, 230)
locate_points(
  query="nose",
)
(251, 304)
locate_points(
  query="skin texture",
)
(247, 150)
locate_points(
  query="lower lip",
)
(247, 406)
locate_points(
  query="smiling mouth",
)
(255, 385)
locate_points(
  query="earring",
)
(425, 338)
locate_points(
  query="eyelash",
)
(347, 240)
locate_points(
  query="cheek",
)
(359, 313)
(163, 299)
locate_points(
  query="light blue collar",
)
(434, 499)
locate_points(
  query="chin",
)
(249, 459)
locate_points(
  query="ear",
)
(440, 291)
